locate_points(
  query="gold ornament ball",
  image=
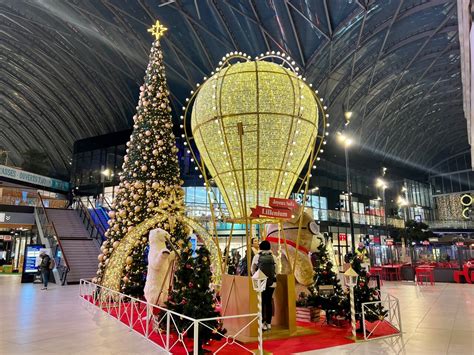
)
(155, 185)
(112, 214)
(100, 257)
(144, 168)
(115, 245)
(125, 279)
(136, 197)
(137, 208)
(129, 260)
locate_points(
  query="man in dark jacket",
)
(44, 268)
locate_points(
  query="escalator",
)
(74, 240)
(99, 215)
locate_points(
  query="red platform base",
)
(323, 336)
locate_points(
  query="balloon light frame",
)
(308, 160)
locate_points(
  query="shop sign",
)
(7, 238)
(459, 244)
(342, 237)
(268, 212)
(283, 203)
(389, 242)
(425, 242)
(17, 218)
(466, 202)
(24, 176)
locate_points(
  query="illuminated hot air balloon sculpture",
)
(258, 127)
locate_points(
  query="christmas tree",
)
(150, 180)
(334, 303)
(192, 295)
(364, 293)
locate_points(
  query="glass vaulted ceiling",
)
(71, 69)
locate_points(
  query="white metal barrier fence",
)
(159, 325)
(392, 319)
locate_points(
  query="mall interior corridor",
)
(270, 177)
(33, 321)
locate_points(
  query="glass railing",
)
(32, 202)
(203, 214)
(49, 232)
(452, 224)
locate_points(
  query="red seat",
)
(391, 274)
(459, 276)
(466, 274)
(375, 270)
(424, 272)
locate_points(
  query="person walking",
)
(45, 267)
(265, 261)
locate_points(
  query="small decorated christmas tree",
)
(335, 301)
(192, 295)
(364, 293)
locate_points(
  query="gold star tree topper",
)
(157, 30)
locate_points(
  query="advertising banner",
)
(24, 176)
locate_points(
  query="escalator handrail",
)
(97, 214)
(89, 217)
(63, 254)
(107, 203)
(105, 216)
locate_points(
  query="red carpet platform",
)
(322, 335)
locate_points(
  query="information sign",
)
(31, 257)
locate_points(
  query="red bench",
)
(464, 274)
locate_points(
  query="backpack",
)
(52, 263)
(266, 264)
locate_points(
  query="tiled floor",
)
(436, 320)
(54, 322)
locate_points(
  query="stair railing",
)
(50, 233)
(96, 231)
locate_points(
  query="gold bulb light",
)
(255, 125)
